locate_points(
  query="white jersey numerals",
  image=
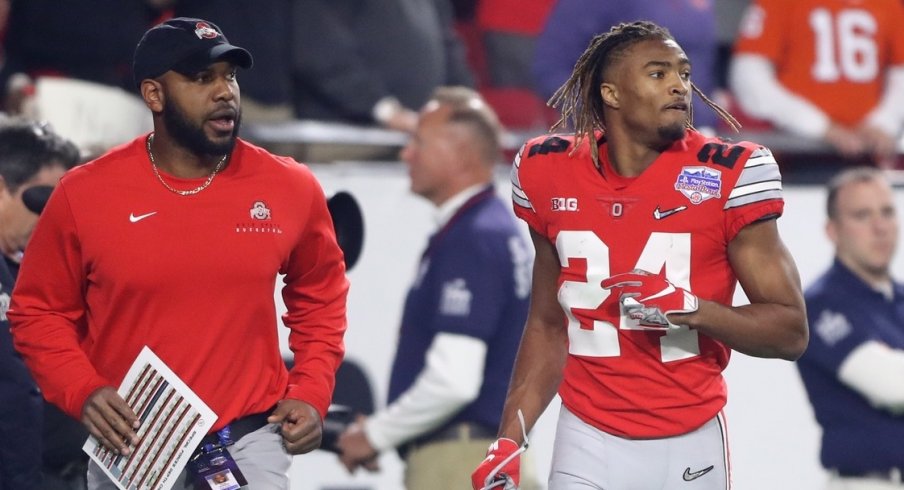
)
(845, 45)
(671, 251)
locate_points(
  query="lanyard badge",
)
(213, 468)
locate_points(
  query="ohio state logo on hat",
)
(204, 31)
(185, 45)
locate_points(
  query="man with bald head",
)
(464, 313)
(852, 369)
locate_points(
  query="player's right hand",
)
(508, 476)
(649, 298)
(110, 420)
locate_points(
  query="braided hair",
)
(580, 100)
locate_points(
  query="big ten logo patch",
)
(564, 204)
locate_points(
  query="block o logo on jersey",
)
(260, 220)
(564, 204)
(204, 31)
(699, 183)
(259, 210)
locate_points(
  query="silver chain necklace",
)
(177, 191)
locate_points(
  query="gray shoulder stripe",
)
(764, 195)
(759, 162)
(761, 152)
(760, 173)
(519, 201)
(743, 190)
(519, 197)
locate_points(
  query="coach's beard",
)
(192, 137)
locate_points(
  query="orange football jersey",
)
(834, 53)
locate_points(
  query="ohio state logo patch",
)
(204, 31)
(259, 210)
(699, 183)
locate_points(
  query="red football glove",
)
(502, 467)
(648, 298)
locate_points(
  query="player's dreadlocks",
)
(580, 99)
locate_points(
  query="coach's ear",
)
(152, 93)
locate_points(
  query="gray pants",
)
(586, 458)
(259, 455)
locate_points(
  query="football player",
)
(642, 228)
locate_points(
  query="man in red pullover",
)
(175, 241)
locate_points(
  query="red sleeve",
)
(315, 296)
(738, 218)
(521, 201)
(47, 313)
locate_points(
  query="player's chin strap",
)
(491, 480)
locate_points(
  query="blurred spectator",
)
(263, 27)
(373, 61)
(728, 19)
(501, 43)
(65, 465)
(509, 30)
(90, 40)
(464, 313)
(853, 368)
(4, 23)
(464, 10)
(32, 160)
(572, 24)
(69, 63)
(825, 69)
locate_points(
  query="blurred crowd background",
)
(349, 75)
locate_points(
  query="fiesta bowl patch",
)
(699, 183)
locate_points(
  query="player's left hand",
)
(300, 424)
(649, 298)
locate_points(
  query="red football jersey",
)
(676, 218)
(834, 53)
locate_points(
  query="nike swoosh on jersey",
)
(668, 212)
(693, 475)
(136, 219)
